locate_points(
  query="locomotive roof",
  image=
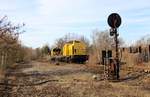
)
(77, 41)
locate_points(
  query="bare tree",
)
(60, 42)
(45, 50)
(101, 40)
(9, 44)
(68, 37)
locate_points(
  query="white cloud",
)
(44, 17)
(8, 5)
(60, 15)
(51, 7)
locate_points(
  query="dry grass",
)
(75, 80)
(2, 74)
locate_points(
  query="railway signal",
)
(114, 21)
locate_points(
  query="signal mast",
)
(114, 21)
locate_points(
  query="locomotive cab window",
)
(74, 50)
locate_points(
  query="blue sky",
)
(47, 20)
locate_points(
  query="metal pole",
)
(117, 54)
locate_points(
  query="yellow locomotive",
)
(72, 51)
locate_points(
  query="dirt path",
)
(38, 79)
(23, 80)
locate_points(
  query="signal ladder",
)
(106, 70)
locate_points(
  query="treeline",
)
(101, 40)
(138, 52)
(11, 50)
(9, 44)
(45, 49)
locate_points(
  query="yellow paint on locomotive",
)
(73, 51)
(74, 48)
(66, 50)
